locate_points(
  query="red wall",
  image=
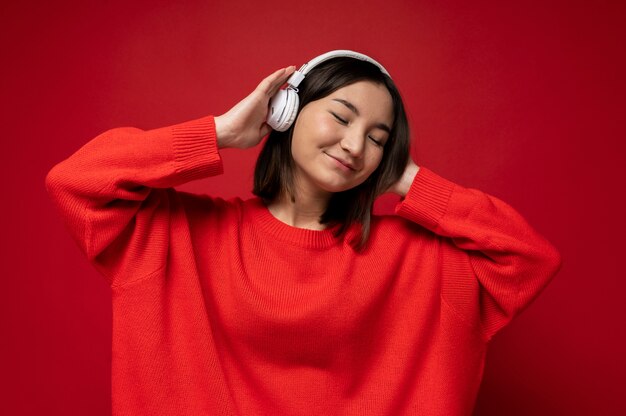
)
(525, 100)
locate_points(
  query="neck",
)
(303, 211)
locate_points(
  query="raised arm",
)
(115, 193)
(502, 264)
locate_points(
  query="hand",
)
(401, 187)
(244, 125)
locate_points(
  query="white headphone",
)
(284, 104)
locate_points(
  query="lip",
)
(342, 162)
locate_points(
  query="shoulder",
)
(387, 227)
(202, 205)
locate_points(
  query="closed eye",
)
(376, 142)
(345, 122)
(339, 119)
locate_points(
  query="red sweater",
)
(221, 309)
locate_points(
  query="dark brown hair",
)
(273, 173)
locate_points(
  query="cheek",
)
(373, 160)
(315, 129)
(324, 128)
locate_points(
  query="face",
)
(338, 140)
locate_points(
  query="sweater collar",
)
(258, 214)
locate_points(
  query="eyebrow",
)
(355, 110)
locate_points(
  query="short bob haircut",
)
(273, 173)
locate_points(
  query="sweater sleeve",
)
(115, 195)
(502, 264)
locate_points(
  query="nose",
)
(353, 142)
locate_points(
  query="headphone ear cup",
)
(283, 109)
(291, 110)
(276, 108)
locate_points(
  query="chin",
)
(338, 187)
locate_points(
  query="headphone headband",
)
(283, 106)
(297, 77)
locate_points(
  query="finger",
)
(267, 83)
(272, 83)
(282, 79)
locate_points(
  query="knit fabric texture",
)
(219, 308)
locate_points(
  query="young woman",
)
(298, 301)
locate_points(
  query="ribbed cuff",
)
(427, 199)
(195, 149)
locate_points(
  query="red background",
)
(524, 100)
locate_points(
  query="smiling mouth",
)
(344, 164)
